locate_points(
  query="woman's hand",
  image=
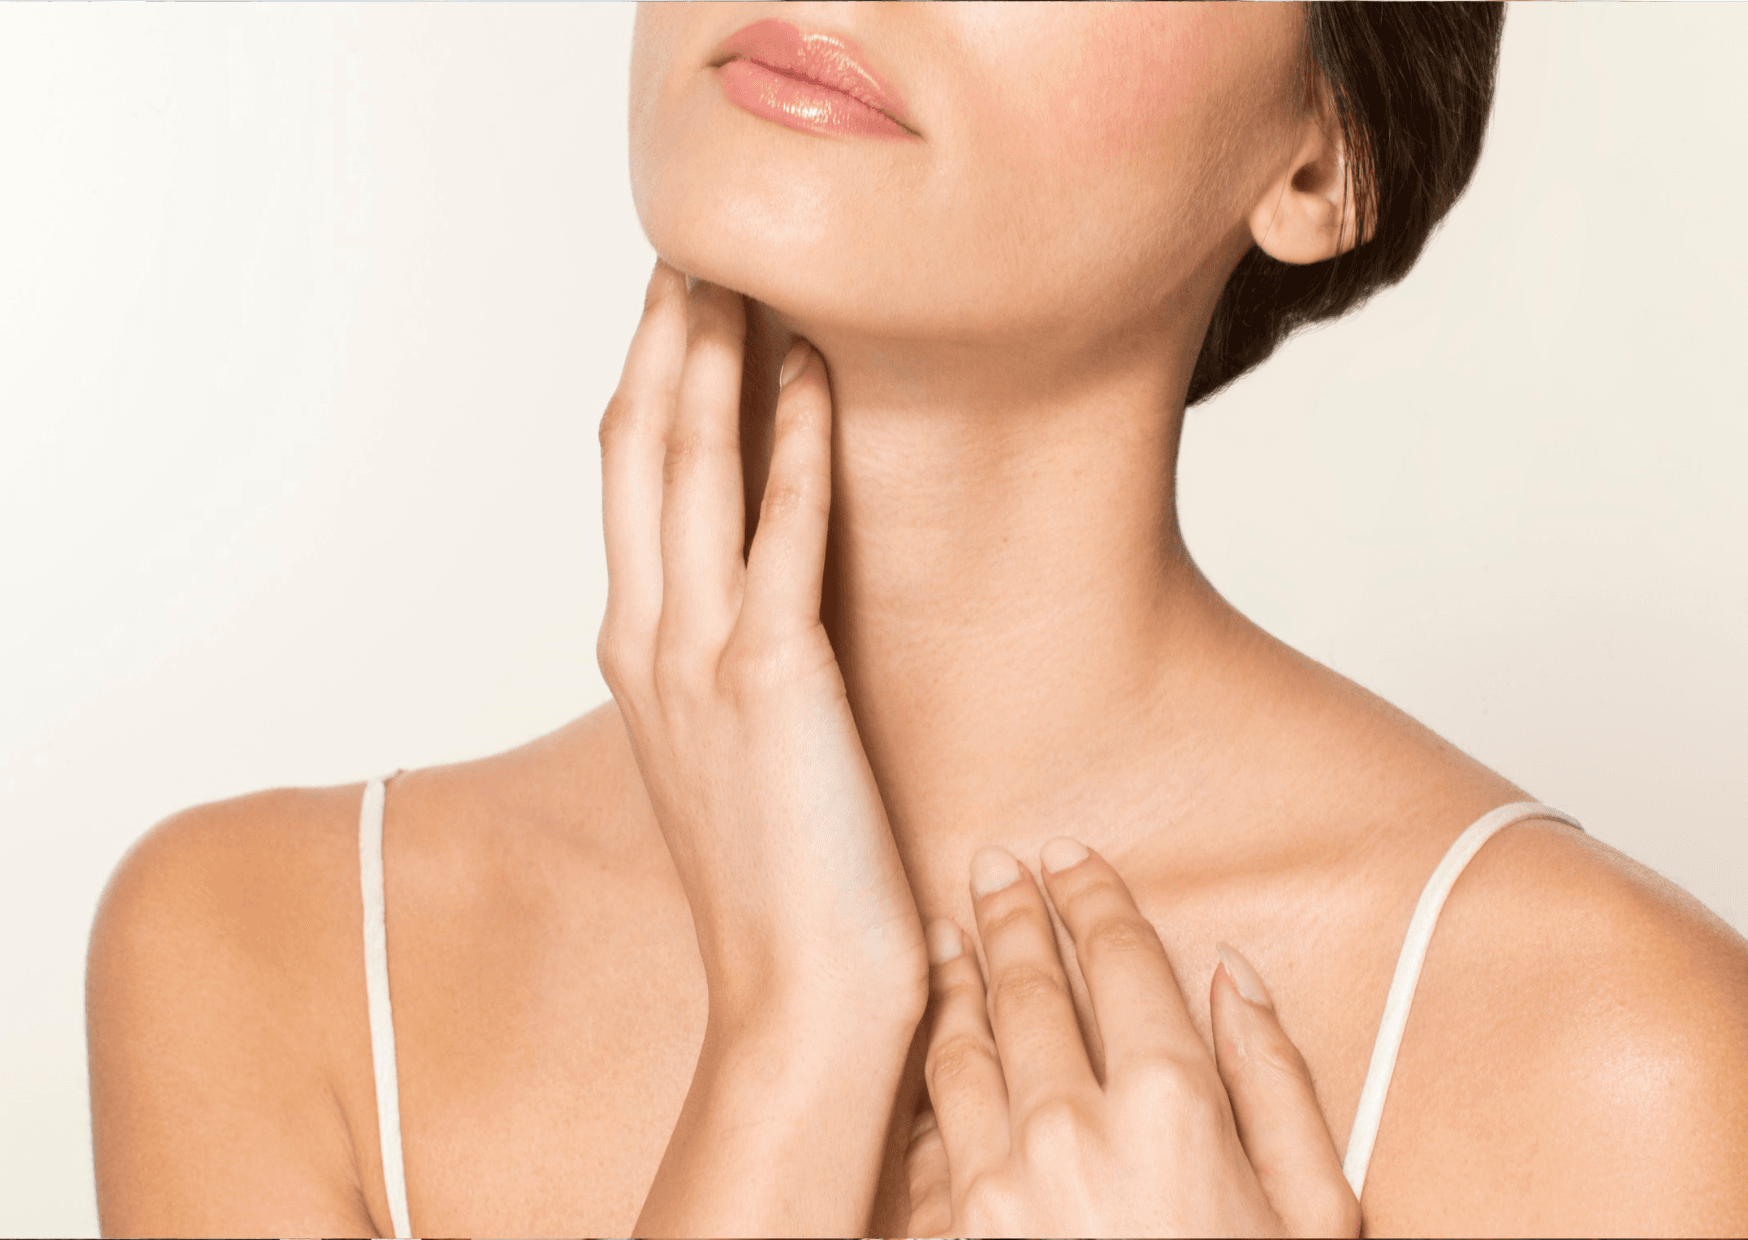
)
(736, 711)
(1025, 1140)
(727, 682)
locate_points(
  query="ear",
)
(1310, 213)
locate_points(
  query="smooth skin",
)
(658, 972)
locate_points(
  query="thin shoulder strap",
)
(382, 1021)
(1432, 898)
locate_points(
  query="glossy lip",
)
(812, 81)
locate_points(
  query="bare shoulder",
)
(213, 1066)
(1576, 1060)
(232, 1090)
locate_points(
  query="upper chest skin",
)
(549, 1002)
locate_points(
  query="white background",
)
(307, 314)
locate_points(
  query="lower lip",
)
(803, 105)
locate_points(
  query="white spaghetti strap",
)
(382, 1024)
(1432, 898)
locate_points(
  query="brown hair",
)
(1411, 85)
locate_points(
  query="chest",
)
(545, 1050)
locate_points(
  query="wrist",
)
(793, 1087)
(757, 985)
(853, 1010)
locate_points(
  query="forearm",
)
(783, 1130)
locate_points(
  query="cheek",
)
(1130, 86)
(1094, 84)
(1127, 139)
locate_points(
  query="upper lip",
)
(827, 60)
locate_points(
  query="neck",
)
(1007, 590)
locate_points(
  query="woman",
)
(899, 613)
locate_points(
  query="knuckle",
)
(788, 501)
(618, 421)
(1023, 985)
(685, 449)
(957, 981)
(622, 657)
(991, 1205)
(1119, 938)
(1168, 1085)
(610, 655)
(1096, 886)
(675, 672)
(752, 668)
(1052, 1133)
(1009, 911)
(956, 1058)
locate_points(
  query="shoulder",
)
(211, 1068)
(1576, 1057)
(265, 887)
(232, 1087)
(228, 903)
(236, 872)
(258, 881)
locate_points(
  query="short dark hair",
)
(1411, 85)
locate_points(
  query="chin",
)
(833, 235)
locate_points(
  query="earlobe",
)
(1310, 212)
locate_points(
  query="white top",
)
(1366, 1117)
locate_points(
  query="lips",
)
(814, 82)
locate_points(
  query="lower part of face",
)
(1070, 169)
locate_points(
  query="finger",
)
(703, 506)
(1275, 1104)
(634, 432)
(1030, 1006)
(1137, 1005)
(787, 560)
(964, 1075)
(925, 1165)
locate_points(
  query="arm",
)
(737, 714)
(782, 1131)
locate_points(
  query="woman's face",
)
(1068, 171)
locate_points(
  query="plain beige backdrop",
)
(307, 315)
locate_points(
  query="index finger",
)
(634, 436)
(1031, 1008)
(1140, 1010)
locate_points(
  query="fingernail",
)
(1243, 976)
(792, 364)
(991, 870)
(1061, 853)
(945, 942)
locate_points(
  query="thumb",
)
(1275, 1104)
(925, 1165)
